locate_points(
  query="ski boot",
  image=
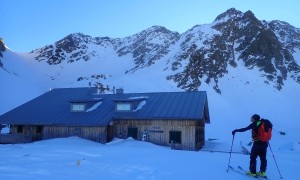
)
(261, 174)
(251, 174)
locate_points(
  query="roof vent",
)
(119, 91)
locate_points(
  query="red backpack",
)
(265, 130)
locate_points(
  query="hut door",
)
(132, 132)
(110, 133)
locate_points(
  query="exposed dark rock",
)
(2, 49)
(202, 54)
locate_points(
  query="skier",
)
(258, 149)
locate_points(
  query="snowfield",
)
(76, 158)
(244, 92)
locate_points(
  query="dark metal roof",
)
(54, 107)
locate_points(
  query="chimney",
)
(119, 91)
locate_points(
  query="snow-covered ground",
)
(244, 92)
(75, 158)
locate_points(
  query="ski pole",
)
(275, 161)
(230, 154)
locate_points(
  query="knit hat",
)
(256, 117)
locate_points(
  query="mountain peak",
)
(250, 17)
(232, 12)
(197, 57)
(156, 30)
(77, 37)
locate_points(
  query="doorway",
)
(132, 132)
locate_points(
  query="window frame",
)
(83, 105)
(123, 104)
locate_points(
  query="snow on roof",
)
(140, 106)
(139, 97)
(95, 106)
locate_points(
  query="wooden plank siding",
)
(15, 138)
(21, 134)
(158, 131)
(154, 131)
(97, 134)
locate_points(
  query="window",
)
(175, 137)
(123, 106)
(39, 129)
(20, 129)
(76, 107)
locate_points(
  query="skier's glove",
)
(233, 132)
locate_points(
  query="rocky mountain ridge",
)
(240, 37)
(203, 54)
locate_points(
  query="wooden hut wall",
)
(19, 134)
(158, 131)
(15, 138)
(34, 131)
(97, 134)
(200, 134)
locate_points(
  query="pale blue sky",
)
(29, 24)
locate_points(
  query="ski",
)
(241, 172)
(244, 171)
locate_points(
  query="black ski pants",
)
(258, 149)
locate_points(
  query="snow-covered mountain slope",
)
(235, 36)
(201, 55)
(246, 65)
(19, 81)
